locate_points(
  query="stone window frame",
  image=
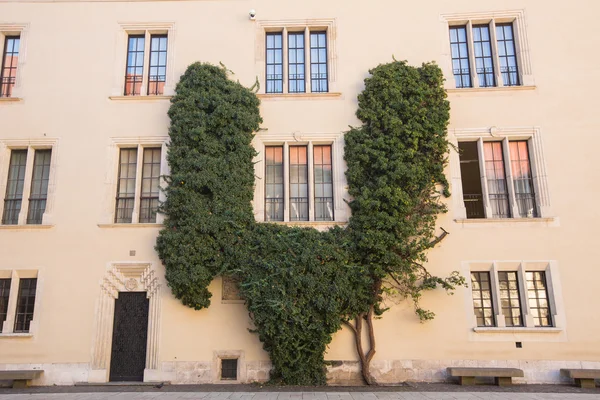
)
(31, 145)
(533, 136)
(219, 355)
(22, 30)
(491, 18)
(147, 29)
(9, 324)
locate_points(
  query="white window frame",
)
(31, 145)
(146, 29)
(514, 17)
(21, 30)
(537, 163)
(15, 275)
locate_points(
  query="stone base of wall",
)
(54, 374)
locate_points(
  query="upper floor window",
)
(8, 68)
(147, 79)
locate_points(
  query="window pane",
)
(25, 304)
(483, 55)
(481, 289)
(126, 185)
(158, 65)
(537, 296)
(298, 183)
(496, 179)
(135, 65)
(507, 55)
(8, 69)
(274, 77)
(39, 186)
(296, 80)
(471, 179)
(274, 183)
(14, 187)
(4, 294)
(510, 300)
(150, 185)
(323, 183)
(318, 62)
(522, 179)
(460, 56)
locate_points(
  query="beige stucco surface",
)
(70, 66)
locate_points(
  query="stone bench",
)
(502, 376)
(20, 378)
(583, 377)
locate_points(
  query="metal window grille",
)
(507, 55)
(10, 61)
(126, 185)
(319, 82)
(323, 176)
(510, 300)
(158, 64)
(14, 187)
(484, 64)
(150, 185)
(522, 179)
(482, 299)
(460, 56)
(229, 369)
(496, 179)
(296, 73)
(39, 186)
(274, 183)
(134, 71)
(298, 183)
(274, 62)
(537, 293)
(25, 304)
(4, 292)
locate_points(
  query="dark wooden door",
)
(130, 335)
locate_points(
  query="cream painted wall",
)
(70, 58)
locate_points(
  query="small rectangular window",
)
(8, 69)
(158, 65)
(4, 293)
(39, 186)
(482, 299)
(274, 62)
(323, 183)
(296, 73)
(25, 304)
(460, 56)
(274, 183)
(319, 82)
(14, 187)
(484, 64)
(496, 179)
(510, 299)
(298, 183)
(471, 179)
(507, 54)
(150, 185)
(537, 293)
(126, 185)
(229, 369)
(523, 179)
(134, 74)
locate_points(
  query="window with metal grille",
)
(14, 187)
(319, 82)
(126, 185)
(507, 54)
(134, 73)
(484, 63)
(323, 183)
(150, 185)
(296, 73)
(274, 62)
(25, 304)
(460, 56)
(274, 183)
(510, 299)
(229, 369)
(158, 65)
(496, 179)
(10, 61)
(4, 294)
(539, 302)
(39, 186)
(522, 179)
(482, 299)
(298, 183)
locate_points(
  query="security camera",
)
(252, 14)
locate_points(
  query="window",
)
(229, 369)
(497, 179)
(318, 61)
(17, 301)
(491, 47)
(296, 70)
(28, 178)
(25, 304)
(537, 294)
(4, 294)
(308, 186)
(138, 188)
(274, 62)
(10, 61)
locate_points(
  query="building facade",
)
(83, 134)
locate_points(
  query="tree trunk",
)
(365, 357)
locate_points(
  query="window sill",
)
(32, 227)
(298, 96)
(130, 225)
(16, 335)
(517, 330)
(307, 223)
(10, 99)
(139, 98)
(490, 89)
(493, 222)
